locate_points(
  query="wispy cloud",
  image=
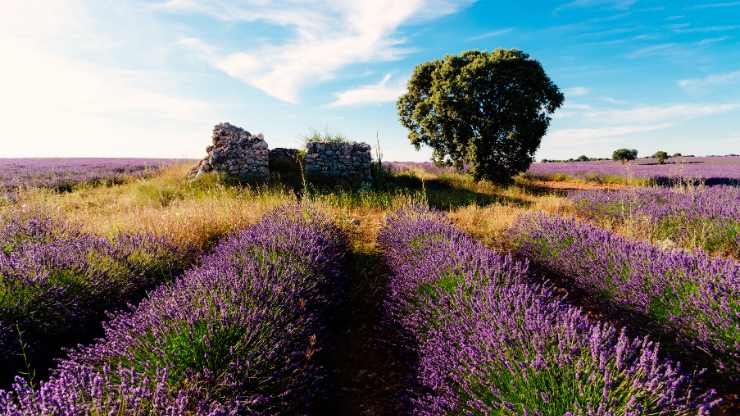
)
(491, 34)
(381, 92)
(652, 50)
(612, 100)
(710, 81)
(708, 29)
(711, 41)
(570, 110)
(328, 35)
(677, 26)
(716, 5)
(594, 134)
(577, 91)
(607, 123)
(657, 114)
(608, 32)
(616, 4)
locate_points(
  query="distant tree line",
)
(624, 155)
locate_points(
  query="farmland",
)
(711, 170)
(65, 173)
(425, 292)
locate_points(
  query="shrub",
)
(326, 137)
(237, 334)
(660, 156)
(624, 155)
(707, 218)
(687, 295)
(486, 342)
(57, 284)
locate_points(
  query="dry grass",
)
(490, 223)
(194, 213)
(197, 213)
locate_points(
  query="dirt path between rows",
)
(367, 370)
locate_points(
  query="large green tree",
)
(483, 111)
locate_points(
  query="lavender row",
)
(236, 335)
(714, 203)
(63, 173)
(705, 217)
(486, 342)
(56, 285)
(688, 294)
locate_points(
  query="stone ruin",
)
(238, 153)
(338, 161)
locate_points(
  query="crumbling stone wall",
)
(338, 161)
(240, 154)
(237, 153)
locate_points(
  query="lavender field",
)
(176, 296)
(357, 224)
(64, 173)
(712, 170)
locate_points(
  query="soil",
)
(367, 369)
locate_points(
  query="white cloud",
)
(577, 91)
(642, 115)
(491, 34)
(717, 5)
(710, 81)
(708, 29)
(616, 4)
(382, 92)
(658, 114)
(570, 110)
(57, 103)
(653, 50)
(593, 134)
(612, 100)
(327, 36)
(710, 41)
(608, 123)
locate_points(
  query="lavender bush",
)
(63, 173)
(488, 343)
(687, 294)
(237, 334)
(56, 285)
(705, 217)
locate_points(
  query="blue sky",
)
(150, 78)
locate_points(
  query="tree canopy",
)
(624, 154)
(486, 112)
(660, 156)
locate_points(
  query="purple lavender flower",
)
(57, 284)
(705, 217)
(487, 342)
(689, 294)
(718, 169)
(63, 173)
(235, 335)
